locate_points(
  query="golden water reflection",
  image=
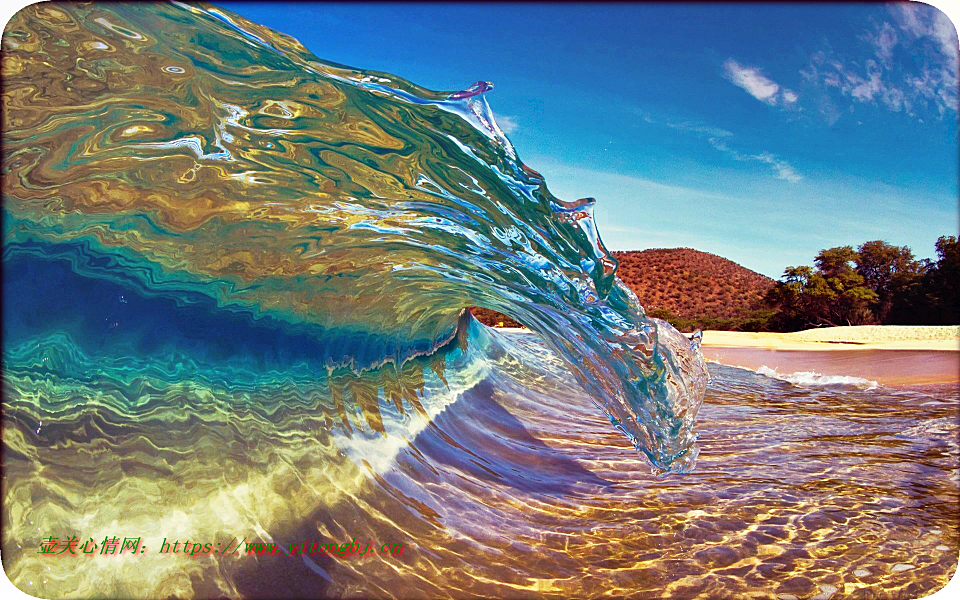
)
(513, 487)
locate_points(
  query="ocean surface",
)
(234, 282)
(865, 368)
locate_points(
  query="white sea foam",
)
(812, 378)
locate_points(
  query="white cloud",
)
(939, 75)
(946, 34)
(865, 89)
(921, 20)
(757, 84)
(885, 41)
(691, 127)
(506, 123)
(925, 42)
(909, 19)
(645, 115)
(782, 168)
(720, 139)
(752, 80)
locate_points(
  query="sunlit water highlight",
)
(233, 277)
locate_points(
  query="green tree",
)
(787, 299)
(844, 297)
(877, 283)
(835, 262)
(833, 293)
(943, 282)
(891, 272)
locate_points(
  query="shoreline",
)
(859, 337)
(856, 337)
(888, 367)
(890, 355)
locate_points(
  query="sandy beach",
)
(893, 355)
(866, 337)
(885, 354)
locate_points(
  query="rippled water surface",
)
(508, 484)
(233, 282)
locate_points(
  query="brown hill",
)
(687, 287)
(691, 284)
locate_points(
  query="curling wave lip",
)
(355, 204)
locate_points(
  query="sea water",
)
(234, 281)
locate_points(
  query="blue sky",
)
(761, 133)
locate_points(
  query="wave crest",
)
(223, 159)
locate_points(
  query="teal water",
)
(190, 158)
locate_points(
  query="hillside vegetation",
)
(693, 289)
(875, 284)
(689, 288)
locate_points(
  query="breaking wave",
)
(812, 378)
(274, 211)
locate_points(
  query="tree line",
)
(877, 283)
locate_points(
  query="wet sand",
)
(867, 337)
(887, 354)
(886, 367)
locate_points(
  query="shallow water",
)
(866, 368)
(509, 484)
(232, 287)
